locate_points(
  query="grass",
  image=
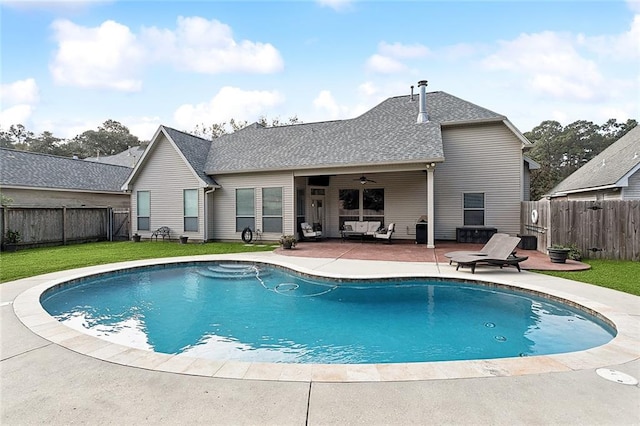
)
(31, 262)
(621, 275)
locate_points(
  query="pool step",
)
(232, 271)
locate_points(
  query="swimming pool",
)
(254, 312)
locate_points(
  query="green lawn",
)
(622, 275)
(619, 275)
(26, 263)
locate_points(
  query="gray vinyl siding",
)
(165, 175)
(485, 159)
(405, 199)
(632, 192)
(224, 203)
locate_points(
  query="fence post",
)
(64, 225)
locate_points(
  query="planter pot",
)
(558, 255)
(136, 238)
(287, 245)
(183, 240)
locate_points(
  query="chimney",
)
(422, 115)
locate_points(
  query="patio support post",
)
(430, 240)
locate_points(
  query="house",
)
(427, 155)
(32, 179)
(614, 174)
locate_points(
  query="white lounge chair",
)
(309, 233)
(386, 234)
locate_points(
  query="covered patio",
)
(408, 251)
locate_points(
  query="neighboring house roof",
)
(127, 158)
(388, 133)
(44, 171)
(609, 169)
(192, 149)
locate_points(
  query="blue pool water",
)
(252, 312)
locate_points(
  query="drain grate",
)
(617, 376)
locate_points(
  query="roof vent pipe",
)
(422, 115)
(411, 93)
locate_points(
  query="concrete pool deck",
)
(53, 374)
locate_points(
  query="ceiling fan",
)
(363, 180)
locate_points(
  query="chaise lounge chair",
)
(501, 255)
(385, 234)
(308, 233)
(493, 242)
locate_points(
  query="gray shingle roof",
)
(30, 169)
(606, 168)
(194, 149)
(127, 158)
(388, 133)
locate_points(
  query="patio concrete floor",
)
(59, 376)
(408, 251)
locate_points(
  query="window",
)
(190, 201)
(245, 209)
(272, 210)
(474, 209)
(373, 204)
(144, 210)
(348, 205)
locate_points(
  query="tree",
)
(46, 143)
(216, 130)
(16, 137)
(111, 138)
(563, 150)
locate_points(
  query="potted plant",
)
(288, 241)
(558, 253)
(183, 239)
(12, 239)
(136, 237)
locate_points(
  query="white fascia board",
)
(126, 186)
(40, 188)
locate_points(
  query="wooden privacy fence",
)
(38, 226)
(599, 229)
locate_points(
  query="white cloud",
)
(19, 98)
(208, 46)
(624, 46)
(367, 89)
(338, 5)
(387, 59)
(551, 64)
(111, 56)
(326, 105)
(18, 114)
(142, 127)
(228, 103)
(399, 50)
(634, 5)
(19, 92)
(107, 56)
(384, 65)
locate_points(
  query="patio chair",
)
(308, 233)
(493, 242)
(385, 234)
(501, 255)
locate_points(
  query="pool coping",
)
(625, 347)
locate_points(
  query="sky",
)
(68, 66)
